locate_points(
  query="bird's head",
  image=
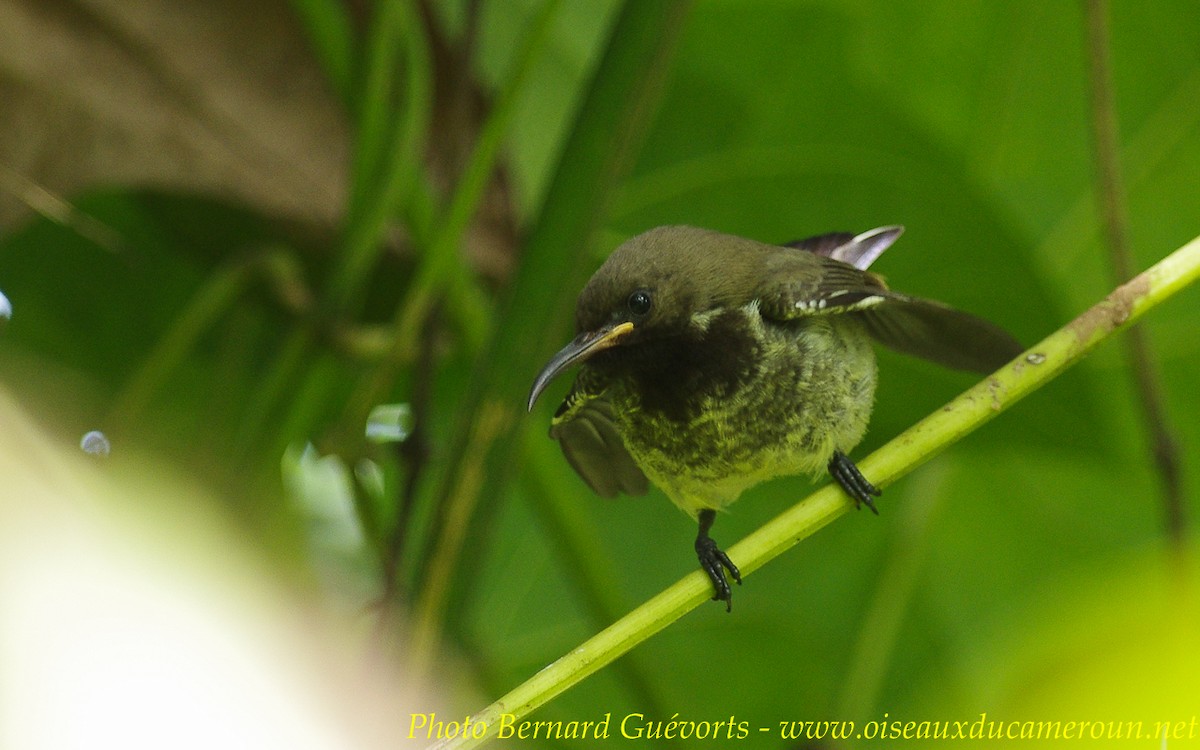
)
(651, 288)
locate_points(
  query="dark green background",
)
(1004, 576)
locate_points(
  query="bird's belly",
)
(806, 398)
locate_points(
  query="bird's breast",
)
(677, 378)
(738, 399)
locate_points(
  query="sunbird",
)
(710, 363)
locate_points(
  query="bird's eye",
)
(639, 302)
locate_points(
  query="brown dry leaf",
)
(220, 98)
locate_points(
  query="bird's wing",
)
(815, 283)
(804, 284)
(858, 250)
(939, 333)
(586, 431)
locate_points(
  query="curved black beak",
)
(584, 346)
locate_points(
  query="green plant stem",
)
(210, 302)
(444, 258)
(610, 125)
(391, 136)
(916, 445)
(387, 150)
(1110, 192)
(440, 266)
(213, 300)
(328, 25)
(442, 261)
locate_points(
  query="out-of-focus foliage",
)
(136, 614)
(228, 319)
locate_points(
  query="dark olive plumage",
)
(710, 363)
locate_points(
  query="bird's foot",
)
(715, 562)
(853, 482)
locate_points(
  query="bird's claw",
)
(715, 562)
(843, 470)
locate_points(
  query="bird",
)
(709, 363)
